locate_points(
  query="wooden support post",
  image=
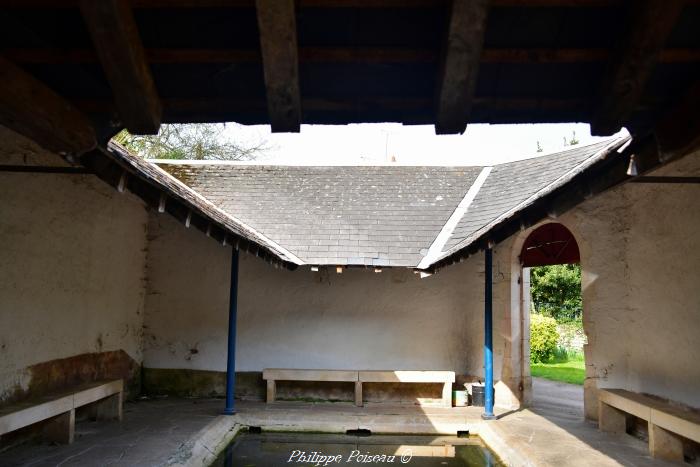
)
(460, 65)
(61, 428)
(271, 391)
(358, 393)
(278, 43)
(650, 23)
(116, 39)
(610, 419)
(664, 445)
(31, 109)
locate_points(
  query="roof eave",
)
(124, 171)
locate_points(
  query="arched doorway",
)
(551, 275)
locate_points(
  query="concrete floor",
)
(551, 433)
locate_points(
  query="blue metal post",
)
(231, 362)
(488, 335)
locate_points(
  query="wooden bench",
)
(58, 409)
(667, 423)
(446, 378)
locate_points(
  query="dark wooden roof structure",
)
(449, 63)
(75, 72)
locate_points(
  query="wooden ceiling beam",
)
(460, 65)
(278, 44)
(325, 3)
(118, 45)
(649, 25)
(342, 55)
(30, 108)
(223, 105)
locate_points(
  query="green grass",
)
(572, 372)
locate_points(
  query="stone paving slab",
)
(151, 432)
(554, 433)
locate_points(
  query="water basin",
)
(310, 449)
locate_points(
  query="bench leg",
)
(358, 393)
(271, 390)
(109, 408)
(664, 445)
(447, 395)
(61, 429)
(610, 419)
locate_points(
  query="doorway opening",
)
(550, 261)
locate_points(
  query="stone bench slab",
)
(666, 421)
(58, 409)
(446, 378)
(406, 376)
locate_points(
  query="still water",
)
(317, 450)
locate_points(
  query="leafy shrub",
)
(543, 338)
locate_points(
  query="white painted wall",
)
(305, 319)
(72, 258)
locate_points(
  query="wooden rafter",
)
(460, 67)
(118, 45)
(30, 108)
(650, 23)
(278, 44)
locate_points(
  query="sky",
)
(378, 143)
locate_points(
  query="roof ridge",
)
(445, 233)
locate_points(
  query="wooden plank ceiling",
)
(98, 67)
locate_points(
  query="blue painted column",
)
(488, 335)
(231, 362)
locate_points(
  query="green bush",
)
(543, 338)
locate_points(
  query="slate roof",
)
(374, 215)
(511, 184)
(176, 190)
(382, 215)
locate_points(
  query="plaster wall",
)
(72, 258)
(302, 319)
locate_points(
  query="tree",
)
(198, 141)
(556, 291)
